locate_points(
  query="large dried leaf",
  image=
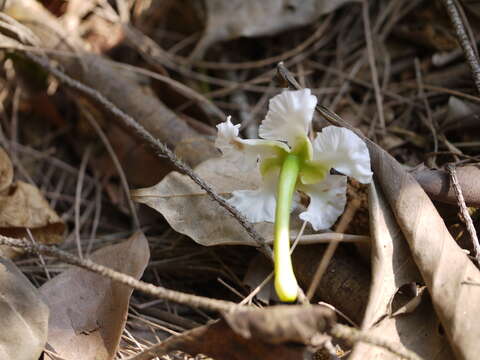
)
(444, 266)
(190, 211)
(258, 18)
(88, 311)
(392, 268)
(274, 333)
(23, 316)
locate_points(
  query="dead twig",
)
(156, 291)
(332, 246)
(463, 39)
(78, 198)
(160, 148)
(373, 67)
(464, 212)
(116, 162)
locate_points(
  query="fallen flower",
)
(288, 161)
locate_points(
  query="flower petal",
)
(344, 151)
(258, 205)
(327, 201)
(245, 153)
(289, 116)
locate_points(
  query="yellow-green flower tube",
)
(285, 282)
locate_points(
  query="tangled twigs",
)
(215, 305)
(465, 43)
(157, 291)
(158, 146)
(464, 212)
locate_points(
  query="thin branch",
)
(156, 291)
(463, 39)
(464, 212)
(158, 146)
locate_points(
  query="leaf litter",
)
(422, 113)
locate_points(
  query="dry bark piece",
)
(437, 184)
(274, 333)
(392, 268)
(23, 316)
(88, 311)
(281, 324)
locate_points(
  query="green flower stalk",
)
(285, 281)
(289, 162)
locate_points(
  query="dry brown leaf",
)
(190, 211)
(22, 207)
(444, 266)
(25, 207)
(88, 311)
(392, 268)
(259, 18)
(274, 333)
(23, 316)
(438, 185)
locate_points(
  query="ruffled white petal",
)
(258, 205)
(344, 151)
(289, 116)
(327, 201)
(245, 153)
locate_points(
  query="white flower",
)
(285, 131)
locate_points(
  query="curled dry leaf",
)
(274, 333)
(392, 268)
(259, 18)
(88, 311)
(23, 316)
(444, 266)
(190, 211)
(438, 185)
(22, 207)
